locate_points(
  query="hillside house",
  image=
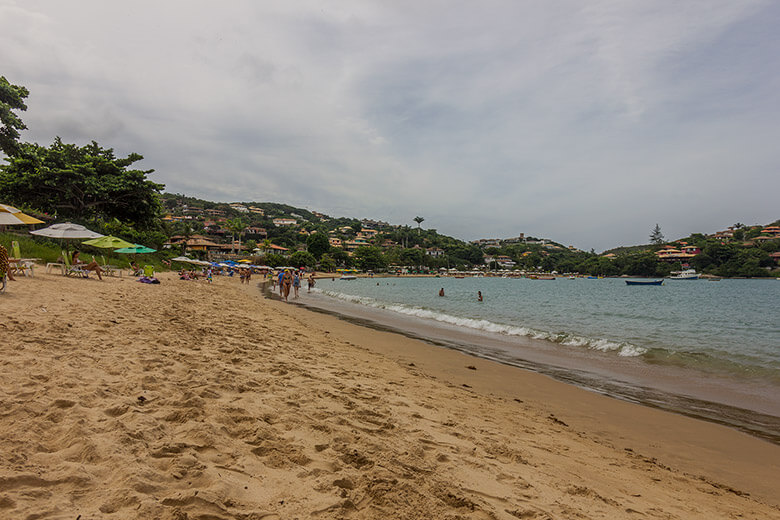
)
(284, 222)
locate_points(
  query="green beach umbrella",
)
(135, 249)
(107, 242)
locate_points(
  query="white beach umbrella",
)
(66, 230)
(183, 259)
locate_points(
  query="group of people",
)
(245, 274)
(288, 280)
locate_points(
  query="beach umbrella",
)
(66, 230)
(107, 242)
(184, 259)
(10, 216)
(135, 249)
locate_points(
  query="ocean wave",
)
(624, 349)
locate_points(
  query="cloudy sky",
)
(584, 122)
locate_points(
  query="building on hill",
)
(672, 254)
(351, 245)
(193, 243)
(505, 262)
(255, 233)
(273, 249)
(334, 242)
(434, 252)
(772, 231)
(239, 207)
(256, 211)
(487, 242)
(514, 240)
(215, 212)
(191, 210)
(367, 233)
(284, 222)
(374, 223)
(727, 234)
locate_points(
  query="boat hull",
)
(644, 282)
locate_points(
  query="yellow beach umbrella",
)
(11, 216)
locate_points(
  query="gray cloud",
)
(586, 123)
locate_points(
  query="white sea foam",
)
(569, 340)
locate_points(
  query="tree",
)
(81, 183)
(656, 237)
(317, 244)
(302, 258)
(11, 98)
(236, 227)
(327, 263)
(419, 221)
(368, 258)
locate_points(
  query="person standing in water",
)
(441, 291)
(296, 283)
(479, 296)
(286, 284)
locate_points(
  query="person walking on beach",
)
(279, 277)
(286, 283)
(311, 281)
(296, 283)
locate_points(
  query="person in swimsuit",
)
(92, 266)
(287, 281)
(296, 283)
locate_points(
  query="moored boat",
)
(644, 282)
(688, 274)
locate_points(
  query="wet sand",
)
(750, 406)
(194, 401)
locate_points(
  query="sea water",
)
(694, 341)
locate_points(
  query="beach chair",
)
(149, 271)
(110, 270)
(60, 265)
(74, 270)
(22, 267)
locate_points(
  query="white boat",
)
(348, 277)
(688, 274)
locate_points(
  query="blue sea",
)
(685, 345)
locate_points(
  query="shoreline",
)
(761, 425)
(196, 400)
(710, 448)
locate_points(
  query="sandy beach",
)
(197, 401)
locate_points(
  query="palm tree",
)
(419, 221)
(266, 246)
(236, 227)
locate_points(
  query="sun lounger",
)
(74, 270)
(23, 266)
(59, 265)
